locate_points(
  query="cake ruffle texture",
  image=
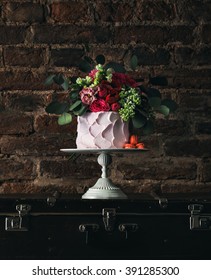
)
(101, 130)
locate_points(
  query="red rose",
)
(115, 107)
(99, 105)
(103, 89)
(120, 79)
(110, 99)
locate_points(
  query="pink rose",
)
(88, 95)
(115, 107)
(93, 73)
(99, 105)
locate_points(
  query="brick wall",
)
(170, 38)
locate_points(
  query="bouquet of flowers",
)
(109, 88)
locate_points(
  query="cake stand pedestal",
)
(104, 187)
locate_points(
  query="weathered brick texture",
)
(23, 12)
(20, 56)
(172, 40)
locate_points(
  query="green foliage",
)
(100, 59)
(65, 118)
(58, 108)
(138, 120)
(155, 102)
(172, 105)
(117, 67)
(85, 66)
(134, 62)
(149, 127)
(163, 110)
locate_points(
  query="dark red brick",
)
(20, 56)
(194, 102)
(115, 12)
(66, 57)
(26, 101)
(67, 168)
(12, 34)
(46, 187)
(189, 56)
(60, 34)
(206, 171)
(206, 33)
(70, 12)
(15, 169)
(203, 127)
(187, 78)
(23, 12)
(178, 186)
(152, 34)
(36, 144)
(159, 169)
(170, 127)
(147, 56)
(188, 147)
(1, 58)
(17, 187)
(49, 124)
(22, 80)
(194, 11)
(13, 122)
(159, 10)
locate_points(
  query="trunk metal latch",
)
(109, 216)
(198, 221)
(20, 222)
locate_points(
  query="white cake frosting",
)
(101, 130)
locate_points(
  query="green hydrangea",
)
(129, 99)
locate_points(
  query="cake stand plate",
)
(104, 187)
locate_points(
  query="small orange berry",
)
(140, 146)
(129, 146)
(133, 139)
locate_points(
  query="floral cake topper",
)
(109, 88)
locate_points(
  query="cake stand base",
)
(104, 189)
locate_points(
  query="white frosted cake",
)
(101, 130)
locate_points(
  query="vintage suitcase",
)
(143, 227)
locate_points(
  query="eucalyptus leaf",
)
(84, 66)
(65, 118)
(158, 81)
(172, 105)
(49, 80)
(138, 120)
(81, 111)
(89, 59)
(117, 67)
(56, 107)
(148, 128)
(100, 59)
(155, 102)
(153, 92)
(59, 79)
(75, 105)
(163, 110)
(65, 85)
(73, 95)
(134, 62)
